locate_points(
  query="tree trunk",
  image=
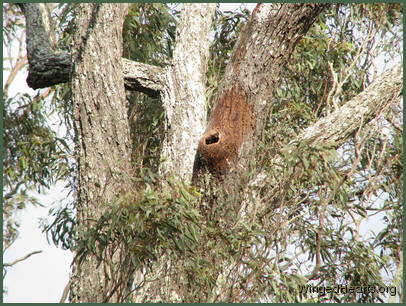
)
(237, 116)
(102, 130)
(262, 50)
(184, 98)
(227, 146)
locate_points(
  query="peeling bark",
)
(262, 50)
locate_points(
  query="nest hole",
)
(212, 139)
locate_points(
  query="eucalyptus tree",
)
(262, 198)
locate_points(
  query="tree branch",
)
(333, 129)
(65, 292)
(339, 125)
(253, 73)
(185, 101)
(142, 77)
(48, 67)
(21, 259)
(185, 114)
(13, 191)
(20, 63)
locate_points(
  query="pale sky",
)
(43, 277)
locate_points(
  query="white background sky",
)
(43, 277)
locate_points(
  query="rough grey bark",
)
(239, 100)
(339, 125)
(334, 129)
(262, 50)
(46, 67)
(103, 136)
(181, 85)
(143, 77)
(102, 129)
(184, 97)
(236, 123)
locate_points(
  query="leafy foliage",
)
(317, 204)
(152, 222)
(310, 232)
(33, 152)
(147, 223)
(149, 37)
(325, 201)
(226, 26)
(35, 157)
(149, 33)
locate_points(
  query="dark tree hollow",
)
(229, 125)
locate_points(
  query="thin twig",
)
(21, 62)
(21, 259)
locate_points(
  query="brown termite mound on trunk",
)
(230, 123)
